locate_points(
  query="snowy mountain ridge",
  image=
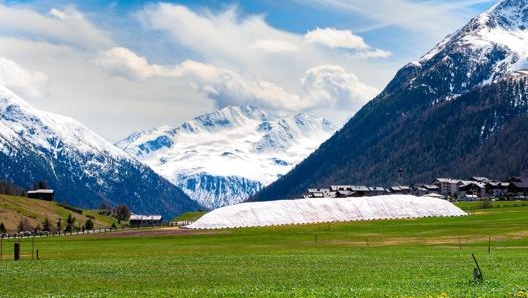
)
(223, 157)
(50, 131)
(496, 42)
(82, 167)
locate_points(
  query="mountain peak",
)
(8, 97)
(225, 156)
(507, 14)
(230, 116)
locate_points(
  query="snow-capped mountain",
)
(222, 158)
(461, 110)
(82, 167)
(490, 46)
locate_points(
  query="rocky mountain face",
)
(460, 110)
(222, 158)
(82, 167)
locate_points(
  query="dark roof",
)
(523, 183)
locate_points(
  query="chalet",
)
(497, 189)
(320, 193)
(447, 186)
(377, 191)
(471, 188)
(424, 189)
(404, 190)
(42, 194)
(518, 187)
(137, 220)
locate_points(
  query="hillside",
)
(83, 168)
(14, 209)
(461, 110)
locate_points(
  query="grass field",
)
(428, 257)
(14, 209)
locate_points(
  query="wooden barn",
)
(137, 220)
(42, 194)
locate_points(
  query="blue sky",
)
(123, 66)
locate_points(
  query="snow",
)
(47, 130)
(318, 210)
(503, 26)
(229, 143)
(244, 142)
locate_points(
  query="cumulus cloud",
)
(67, 26)
(25, 82)
(344, 39)
(331, 85)
(226, 88)
(274, 46)
(327, 86)
(333, 38)
(228, 38)
(122, 62)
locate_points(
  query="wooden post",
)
(17, 251)
(489, 244)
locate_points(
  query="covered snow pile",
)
(316, 210)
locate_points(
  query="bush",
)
(89, 224)
(122, 212)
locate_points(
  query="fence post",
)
(17, 251)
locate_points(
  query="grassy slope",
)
(400, 258)
(14, 209)
(189, 216)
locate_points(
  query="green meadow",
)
(430, 257)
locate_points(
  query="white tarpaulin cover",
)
(316, 210)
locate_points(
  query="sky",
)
(123, 66)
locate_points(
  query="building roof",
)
(522, 184)
(146, 217)
(446, 180)
(41, 191)
(377, 188)
(481, 179)
(359, 188)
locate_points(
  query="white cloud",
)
(333, 38)
(331, 85)
(122, 62)
(323, 86)
(274, 46)
(243, 44)
(68, 26)
(24, 82)
(344, 39)
(371, 53)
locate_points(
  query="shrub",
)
(89, 224)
